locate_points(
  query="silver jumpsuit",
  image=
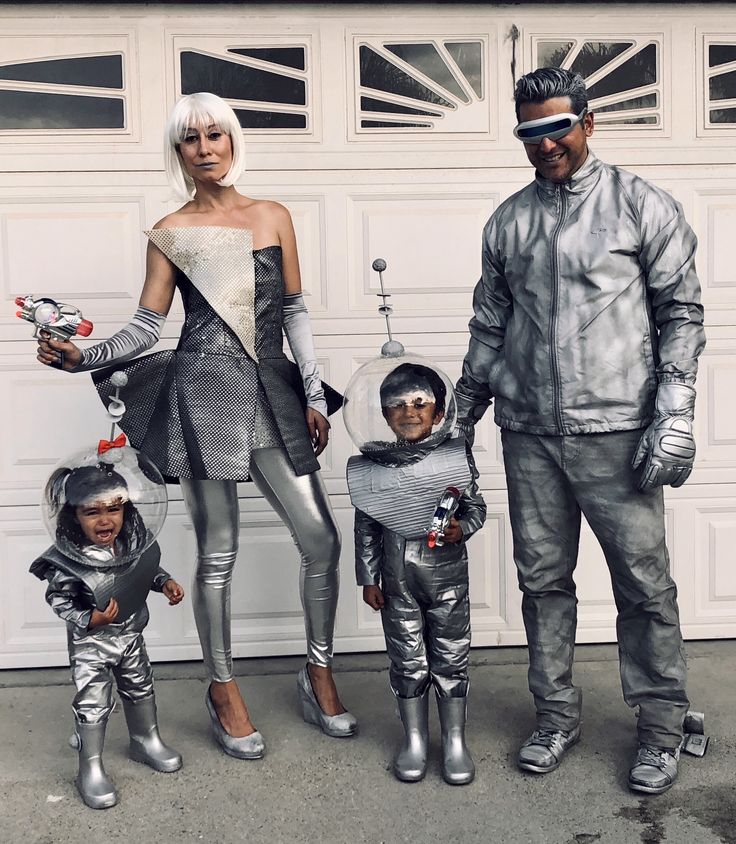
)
(426, 616)
(97, 656)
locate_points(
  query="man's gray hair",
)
(548, 82)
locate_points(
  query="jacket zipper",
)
(554, 363)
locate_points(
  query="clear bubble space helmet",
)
(398, 402)
(105, 505)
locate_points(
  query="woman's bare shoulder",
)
(270, 209)
(174, 220)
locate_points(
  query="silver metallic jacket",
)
(588, 299)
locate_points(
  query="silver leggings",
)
(301, 502)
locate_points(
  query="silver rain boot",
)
(146, 745)
(92, 782)
(458, 767)
(410, 762)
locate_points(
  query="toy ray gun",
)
(446, 507)
(694, 740)
(57, 319)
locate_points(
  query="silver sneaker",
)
(542, 752)
(655, 769)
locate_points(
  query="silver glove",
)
(667, 446)
(469, 411)
(142, 332)
(299, 334)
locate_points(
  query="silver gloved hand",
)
(466, 428)
(667, 446)
(469, 413)
(301, 342)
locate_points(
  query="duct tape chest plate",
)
(404, 498)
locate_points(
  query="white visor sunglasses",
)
(553, 127)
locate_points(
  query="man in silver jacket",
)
(587, 331)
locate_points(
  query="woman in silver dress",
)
(226, 405)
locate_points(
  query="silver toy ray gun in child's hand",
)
(56, 319)
(446, 507)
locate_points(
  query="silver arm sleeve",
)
(62, 595)
(492, 309)
(159, 579)
(142, 332)
(368, 549)
(667, 257)
(299, 335)
(472, 510)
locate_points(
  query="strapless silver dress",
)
(199, 410)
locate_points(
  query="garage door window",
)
(431, 85)
(722, 84)
(267, 87)
(62, 94)
(622, 76)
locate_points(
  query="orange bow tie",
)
(106, 445)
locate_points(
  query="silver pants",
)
(426, 619)
(301, 502)
(551, 480)
(115, 650)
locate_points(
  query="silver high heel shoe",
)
(244, 747)
(337, 726)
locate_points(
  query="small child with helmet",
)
(99, 570)
(419, 585)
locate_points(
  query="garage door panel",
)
(52, 414)
(79, 250)
(624, 71)
(266, 72)
(715, 420)
(47, 415)
(308, 216)
(61, 86)
(715, 586)
(715, 216)
(430, 242)
(27, 623)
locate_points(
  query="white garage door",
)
(387, 134)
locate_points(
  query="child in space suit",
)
(421, 591)
(99, 572)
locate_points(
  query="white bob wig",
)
(200, 111)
